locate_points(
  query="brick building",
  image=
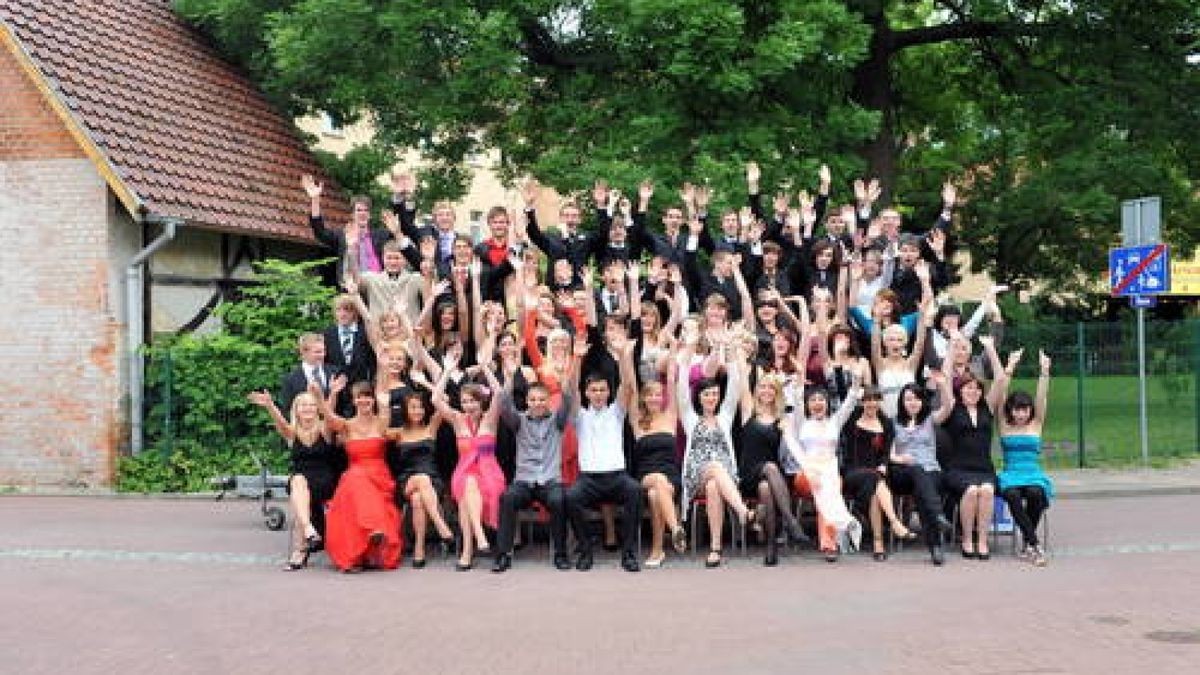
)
(140, 174)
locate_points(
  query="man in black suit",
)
(312, 368)
(569, 243)
(371, 240)
(442, 232)
(348, 350)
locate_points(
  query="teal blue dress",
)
(1023, 464)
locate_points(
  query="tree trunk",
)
(873, 91)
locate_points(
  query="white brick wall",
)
(59, 344)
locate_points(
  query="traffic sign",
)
(1139, 270)
(1141, 221)
(1143, 301)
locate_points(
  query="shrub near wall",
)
(199, 423)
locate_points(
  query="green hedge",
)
(199, 423)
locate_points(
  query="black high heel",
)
(293, 564)
(714, 559)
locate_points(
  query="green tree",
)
(1048, 111)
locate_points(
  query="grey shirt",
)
(539, 441)
(920, 442)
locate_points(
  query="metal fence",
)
(1093, 417)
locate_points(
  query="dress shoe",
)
(502, 563)
(583, 561)
(562, 561)
(936, 555)
(629, 562)
(771, 559)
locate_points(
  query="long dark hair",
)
(902, 416)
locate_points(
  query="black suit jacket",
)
(296, 382)
(360, 369)
(337, 241)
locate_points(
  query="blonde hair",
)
(646, 413)
(776, 383)
(344, 300)
(897, 330)
(305, 437)
(308, 339)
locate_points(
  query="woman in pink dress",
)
(478, 480)
(363, 523)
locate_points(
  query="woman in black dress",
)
(414, 466)
(868, 438)
(968, 471)
(654, 421)
(314, 464)
(758, 461)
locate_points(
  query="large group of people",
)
(754, 365)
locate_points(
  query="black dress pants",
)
(615, 487)
(519, 495)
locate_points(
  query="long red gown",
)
(363, 503)
(477, 457)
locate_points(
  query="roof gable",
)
(177, 126)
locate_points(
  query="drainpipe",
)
(135, 324)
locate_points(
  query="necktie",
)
(347, 344)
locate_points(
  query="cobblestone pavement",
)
(130, 585)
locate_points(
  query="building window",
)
(331, 128)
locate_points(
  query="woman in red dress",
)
(363, 523)
(478, 480)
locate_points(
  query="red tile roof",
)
(184, 129)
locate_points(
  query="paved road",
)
(129, 586)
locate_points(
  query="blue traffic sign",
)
(1139, 270)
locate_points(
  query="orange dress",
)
(362, 504)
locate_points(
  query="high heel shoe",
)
(461, 566)
(714, 559)
(294, 564)
(908, 536)
(312, 539)
(880, 552)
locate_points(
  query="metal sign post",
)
(1140, 225)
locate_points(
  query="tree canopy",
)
(1047, 112)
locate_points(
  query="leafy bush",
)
(199, 423)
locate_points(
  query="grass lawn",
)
(1110, 414)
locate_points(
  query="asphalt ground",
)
(103, 585)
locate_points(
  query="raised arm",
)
(748, 319)
(924, 323)
(477, 330)
(942, 379)
(438, 398)
(333, 421)
(627, 391)
(678, 309)
(315, 220)
(492, 414)
(1042, 397)
(263, 399)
